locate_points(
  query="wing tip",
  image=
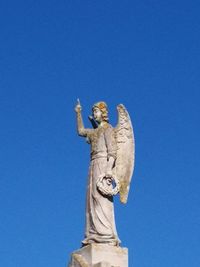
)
(123, 199)
(120, 106)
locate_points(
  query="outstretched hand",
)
(78, 107)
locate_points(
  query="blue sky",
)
(144, 54)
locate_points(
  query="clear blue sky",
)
(144, 54)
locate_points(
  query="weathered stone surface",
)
(111, 167)
(102, 264)
(100, 255)
(110, 172)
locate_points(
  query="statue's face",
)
(97, 114)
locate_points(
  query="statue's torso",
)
(98, 142)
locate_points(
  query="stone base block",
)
(99, 255)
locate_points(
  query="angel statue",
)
(110, 172)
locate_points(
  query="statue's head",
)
(100, 112)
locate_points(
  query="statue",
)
(110, 172)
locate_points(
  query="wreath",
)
(108, 186)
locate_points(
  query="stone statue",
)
(110, 172)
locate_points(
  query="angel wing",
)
(124, 164)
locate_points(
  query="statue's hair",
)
(104, 109)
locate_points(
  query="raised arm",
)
(80, 126)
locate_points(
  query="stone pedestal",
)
(99, 255)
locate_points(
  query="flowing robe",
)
(100, 221)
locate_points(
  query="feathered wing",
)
(125, 152)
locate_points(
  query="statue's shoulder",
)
(107, 126)
(108, 129)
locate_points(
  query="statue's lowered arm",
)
(111, 150)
